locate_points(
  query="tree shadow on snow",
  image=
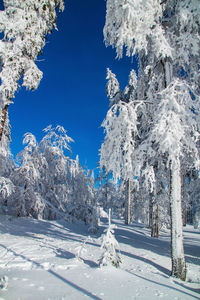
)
(147, 261)
(169, 286)
(133, 237)
(127, 235)
(137, 240)
(28, 227)
(91, 263)
(52, 272)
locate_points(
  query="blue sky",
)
(72, 91)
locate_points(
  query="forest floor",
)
(39, 260)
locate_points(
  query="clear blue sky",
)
(72, 91)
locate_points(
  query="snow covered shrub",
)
(110, 245)
(6, 190)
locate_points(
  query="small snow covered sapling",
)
(79, 251)
(110, 245)
(82, 248)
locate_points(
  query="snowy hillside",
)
(39, 260)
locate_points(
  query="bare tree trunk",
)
(154, 227)
(135, 207)
(150, 211)
(184, 212)
(128, 204)
(191, 212)
(184, 215)
(177, 250)
(106, 190)
(3, 120)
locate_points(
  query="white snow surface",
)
(39, 261)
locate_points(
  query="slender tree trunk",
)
(106, 190)
(154, 227)
(191, 212)
(4, 117)
(184, 212)
(177, 250)
(150, 211)
(196, 218)
(135, 205)
(184, 215)
(128, 204)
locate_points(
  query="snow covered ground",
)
(40, 260)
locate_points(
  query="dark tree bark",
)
(4, 117)
(154, 227)
(128, 204)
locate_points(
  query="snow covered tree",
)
(116, 153)
(164, 35)
(24, 25)
(6, 190)
(26, 201)
(109, 244)
(174, 134)
(117, 150)
(40, 180)
(48, 184)
(55, 171)
(82, 205)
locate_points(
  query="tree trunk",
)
(150, 211)
(184, 212)
(190, 217)
(177, 250)
(154, 227)
(196, 218)
(128, 204)
(4, 117)
(184, 215)
(106, 190)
